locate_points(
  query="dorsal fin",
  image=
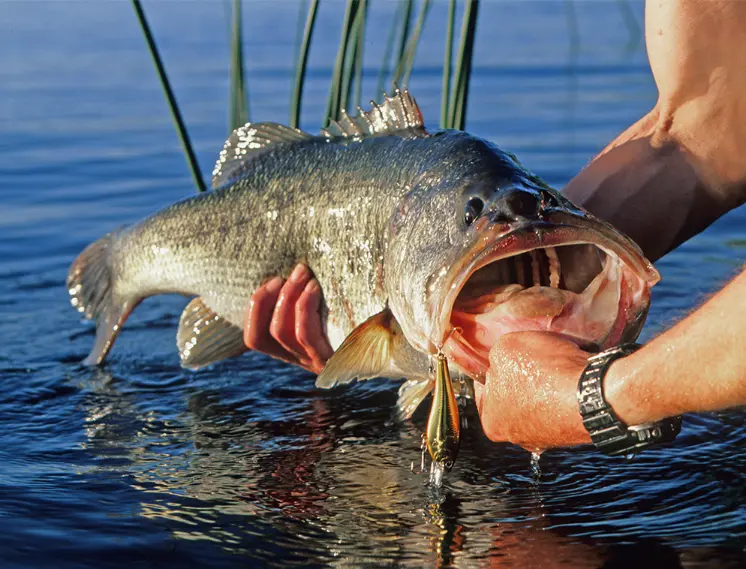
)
(248, 142)
(397, 115)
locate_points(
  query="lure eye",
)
(472, 210)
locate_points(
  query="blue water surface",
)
(246, 464)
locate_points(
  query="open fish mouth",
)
(577, 280)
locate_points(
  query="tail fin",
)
(90, 285)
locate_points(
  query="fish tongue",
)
(531, 309)
(483, 299)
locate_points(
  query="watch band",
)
(609, 433)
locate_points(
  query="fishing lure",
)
(443, 433)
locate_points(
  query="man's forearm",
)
(698, 365)
(678, 169)
(653, 194)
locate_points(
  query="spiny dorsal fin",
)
(204, 337)
(248, 142)
(398, 115)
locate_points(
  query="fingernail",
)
(299, 273)
(274, 284)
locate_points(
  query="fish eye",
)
(472, 209)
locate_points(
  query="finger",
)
(308, 328)
(282, 326)
(258, 319)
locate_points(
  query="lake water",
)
(246, 464)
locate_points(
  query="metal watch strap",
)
(609, 433)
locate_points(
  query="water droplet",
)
(436, 474)
(535, 468)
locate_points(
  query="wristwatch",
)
(610, 434)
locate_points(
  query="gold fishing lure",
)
(443, 432)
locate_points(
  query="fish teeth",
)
(554, 267)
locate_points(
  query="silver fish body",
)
(406, 232)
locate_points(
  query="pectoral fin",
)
(366, 353)
(204, 337)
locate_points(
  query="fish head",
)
(493, 249)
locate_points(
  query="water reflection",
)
(310, 476)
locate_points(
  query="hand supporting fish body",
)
(420, 241)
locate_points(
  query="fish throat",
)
(577, 290)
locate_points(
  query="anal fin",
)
(205, 338)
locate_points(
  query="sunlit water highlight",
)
(246, 464)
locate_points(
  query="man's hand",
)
(529, 397)
(283, 321)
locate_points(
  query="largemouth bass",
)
(422, 242)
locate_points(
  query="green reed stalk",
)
(302, 63)
(170, 98)
(447, 65)
(333, 101)
(299, 27)
(457, 109)
(359, 54)
(404, 68)
(351, 56)
(404, 33)
(239, 114)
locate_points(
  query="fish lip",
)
(554, 229)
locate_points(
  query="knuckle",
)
(254, 341)
(304, 338)
(304, 326)
(275, 328)
(283, 336)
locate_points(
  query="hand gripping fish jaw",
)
(443, 433)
